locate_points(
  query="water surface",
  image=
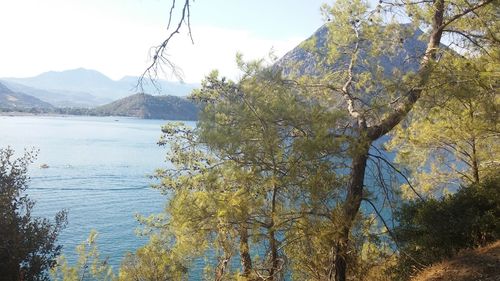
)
(98, 171)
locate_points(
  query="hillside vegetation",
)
(139, 105)
(150, 107)
(481, 264)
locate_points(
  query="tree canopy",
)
(281, 172)
(28, 244)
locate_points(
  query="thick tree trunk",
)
(350, 208)
(246, 260)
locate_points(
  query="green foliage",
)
(153, 262)
(89, 267)
(149, 107)
(274, 173)
(370, 253)
(277, 133)
(258, 177)
(452, 139)
(28, 246)
(438, 228)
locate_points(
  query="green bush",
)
(28, 244)
(438, 228)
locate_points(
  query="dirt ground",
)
(481, 264)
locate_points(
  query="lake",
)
(98, 171)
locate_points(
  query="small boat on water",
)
(44, 166)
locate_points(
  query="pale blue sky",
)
(113, 36)
(279, 19)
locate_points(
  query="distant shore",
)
(20, 113)
(47, 114)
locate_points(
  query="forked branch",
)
(159, 56)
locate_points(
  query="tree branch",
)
(399, 172)
(438, 26)
(465, 12)
(387, 124)
(345, 89)
(158, 53)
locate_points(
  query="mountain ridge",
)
(87, 88)
(14, 100)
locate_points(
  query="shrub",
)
(27, 243)
(431, 230)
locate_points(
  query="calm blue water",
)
(98, 169)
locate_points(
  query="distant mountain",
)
(85, 87)
(151, 107)
(60, 98)
(13, 100)
(80, 79)
(314, 62)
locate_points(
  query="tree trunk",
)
(350, 208)
(221, 268)
(246, 260)
(352, 204)
(475, 164)
(274, 255)
(273, 243)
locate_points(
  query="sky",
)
(115, 36)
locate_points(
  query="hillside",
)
(58, 98)
(151, 107)
(310, 60)
(87, 88)
(13, 100)
(478, 264)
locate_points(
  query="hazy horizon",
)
(114, 37)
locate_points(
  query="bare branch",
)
(158, 53)
(345, 89)
(170, 14)
(399, 172)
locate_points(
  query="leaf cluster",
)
(28, 244)
(431, 230)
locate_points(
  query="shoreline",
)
(20, 114)
(116, 117)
